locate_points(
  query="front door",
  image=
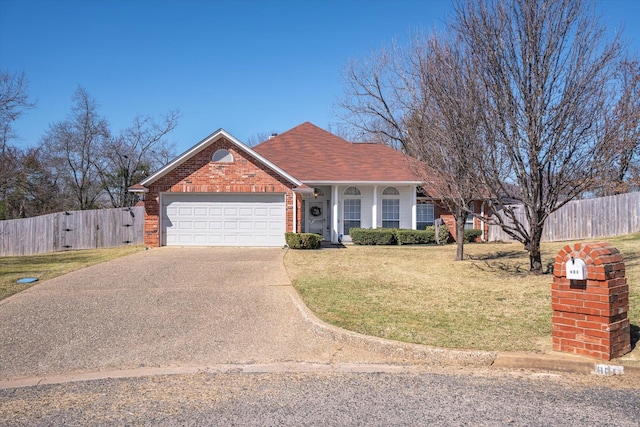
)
(316, 218)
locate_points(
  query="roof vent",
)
(273, 135)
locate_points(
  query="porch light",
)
(315, 193)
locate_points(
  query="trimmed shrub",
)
(444, 233)
(366, 236)
(413, 237)
(394, 236)
(471, 236)
(303, 240)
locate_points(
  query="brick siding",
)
(590, 316)
(199, 174)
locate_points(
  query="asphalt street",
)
(327, 399)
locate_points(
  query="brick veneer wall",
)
(590, 316)
(199, 174)
(450, 220)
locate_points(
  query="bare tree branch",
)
(73, 147)
(131, 156)
(545, 66)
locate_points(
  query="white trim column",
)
(482, 223)
(414, 209)
(334, 217)
(295, 210)
(374, 208)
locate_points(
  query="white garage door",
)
(223, 219)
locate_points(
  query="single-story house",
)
(223, 193)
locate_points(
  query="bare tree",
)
(73, 148)
(532, 78)
(423, 100)
(9, 172)
(444, 129)
(379, 96)
(259, 137)
(131, 156)
(14, 100)
(351, 133)
(545, 66)
(622, 129)
(36, 192)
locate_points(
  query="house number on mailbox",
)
(576, 269)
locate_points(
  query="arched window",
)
(352, 191)
(390, 191)
(351, 209)
(390, 208)
(222, 156)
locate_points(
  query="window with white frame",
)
(390, 208)
(222, 156)
(469, 223)
(352, 191)
(351, 209)
(424, 215)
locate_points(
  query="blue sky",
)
(248, 67)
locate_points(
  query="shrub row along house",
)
(224, 193)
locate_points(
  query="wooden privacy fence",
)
(72, 230)
(585, 219)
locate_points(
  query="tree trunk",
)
(535, 262)
(535, 257)
(460, 219)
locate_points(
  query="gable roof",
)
(215, 136)
(314, 155)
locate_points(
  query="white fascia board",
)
(310, 183)
(138, 190)
(303, 190)
(205, 143)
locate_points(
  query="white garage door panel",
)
(223, 219)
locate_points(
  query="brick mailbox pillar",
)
(590, 314)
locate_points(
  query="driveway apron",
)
(163, 307)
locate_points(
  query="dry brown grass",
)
(419, 294)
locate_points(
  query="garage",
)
(223, 219)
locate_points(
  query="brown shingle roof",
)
(313, 154)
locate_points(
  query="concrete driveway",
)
(165, 307)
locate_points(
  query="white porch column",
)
(482, 223)
(414, 209)
(334, 216)
(295, 211)
(374, 208)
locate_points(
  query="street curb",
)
(563, 363)
(398, 352)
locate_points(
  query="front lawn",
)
(48, 266)
(419, 294)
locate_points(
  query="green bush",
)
(413, 237)
(471, 236)
(366, 236)
(303, 240)
(444, 233)
(392, 236)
